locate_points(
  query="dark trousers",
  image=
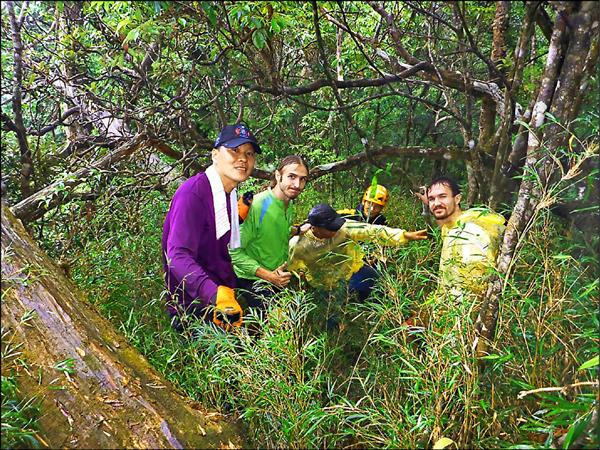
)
(252, 294)
(362, 282)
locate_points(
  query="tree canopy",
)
(106, 106)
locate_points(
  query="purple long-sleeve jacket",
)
(195, 262)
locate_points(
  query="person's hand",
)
(228, 312)
(305, 227)
(280, 277)
(415, 235)
(421, 195)
(299, 230)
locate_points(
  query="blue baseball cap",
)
(324, 216)
(232, 136)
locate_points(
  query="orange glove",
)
(228, 312)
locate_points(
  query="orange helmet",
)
(379, 196)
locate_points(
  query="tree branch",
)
(36, 205)
(454, 80)
(363, 137)
(344, 84)
(543, 21)
(9, 125)
(491, 65)
(523, 394)
(56, 123)
(17, 107)
(446, 153)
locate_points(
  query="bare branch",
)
(543, 21)
(17, 107)
(491, 66)
(22, 14)
(36, 205)
(345, 84)
(454, 80)
(9, 125)
(446, 153)
(56, 123)
(523, 394)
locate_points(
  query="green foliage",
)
(373, 381)
(19, 414)
(19, 417)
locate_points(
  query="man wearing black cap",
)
(329, 252)
(202, 223)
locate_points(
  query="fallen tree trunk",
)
(110, 396)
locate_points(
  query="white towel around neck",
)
(223, 223)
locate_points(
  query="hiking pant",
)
(362, 282)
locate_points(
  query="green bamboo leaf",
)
(590, 363)
(575, 431)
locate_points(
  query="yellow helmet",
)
(380, 195)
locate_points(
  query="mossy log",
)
(105, 394)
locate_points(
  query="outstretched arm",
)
(415, 235)
(364, 232)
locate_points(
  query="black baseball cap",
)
(232, 136)
(324, 216)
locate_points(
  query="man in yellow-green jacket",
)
(471, 240)
(329, 254)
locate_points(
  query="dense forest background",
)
(108, 106)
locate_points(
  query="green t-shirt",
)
(264, 236)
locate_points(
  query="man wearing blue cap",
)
(329, 253)
(202, 223)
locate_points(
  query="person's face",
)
(442, 203)
(234, 165)
(323, 233)
(291, 180)
(372, 209)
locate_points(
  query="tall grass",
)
(20, 411)
(373, 381)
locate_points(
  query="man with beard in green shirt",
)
(266, 231)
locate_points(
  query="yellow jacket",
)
(469, 250)
(327, 262)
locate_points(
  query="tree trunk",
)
(17, 107)
(579, 27)
(501, 145)
(111, 397)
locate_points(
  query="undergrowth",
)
(20, 413)
(373, 380)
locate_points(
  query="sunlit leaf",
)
(132, 35)
(442, 443)
(123, 23)
(590, 363)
